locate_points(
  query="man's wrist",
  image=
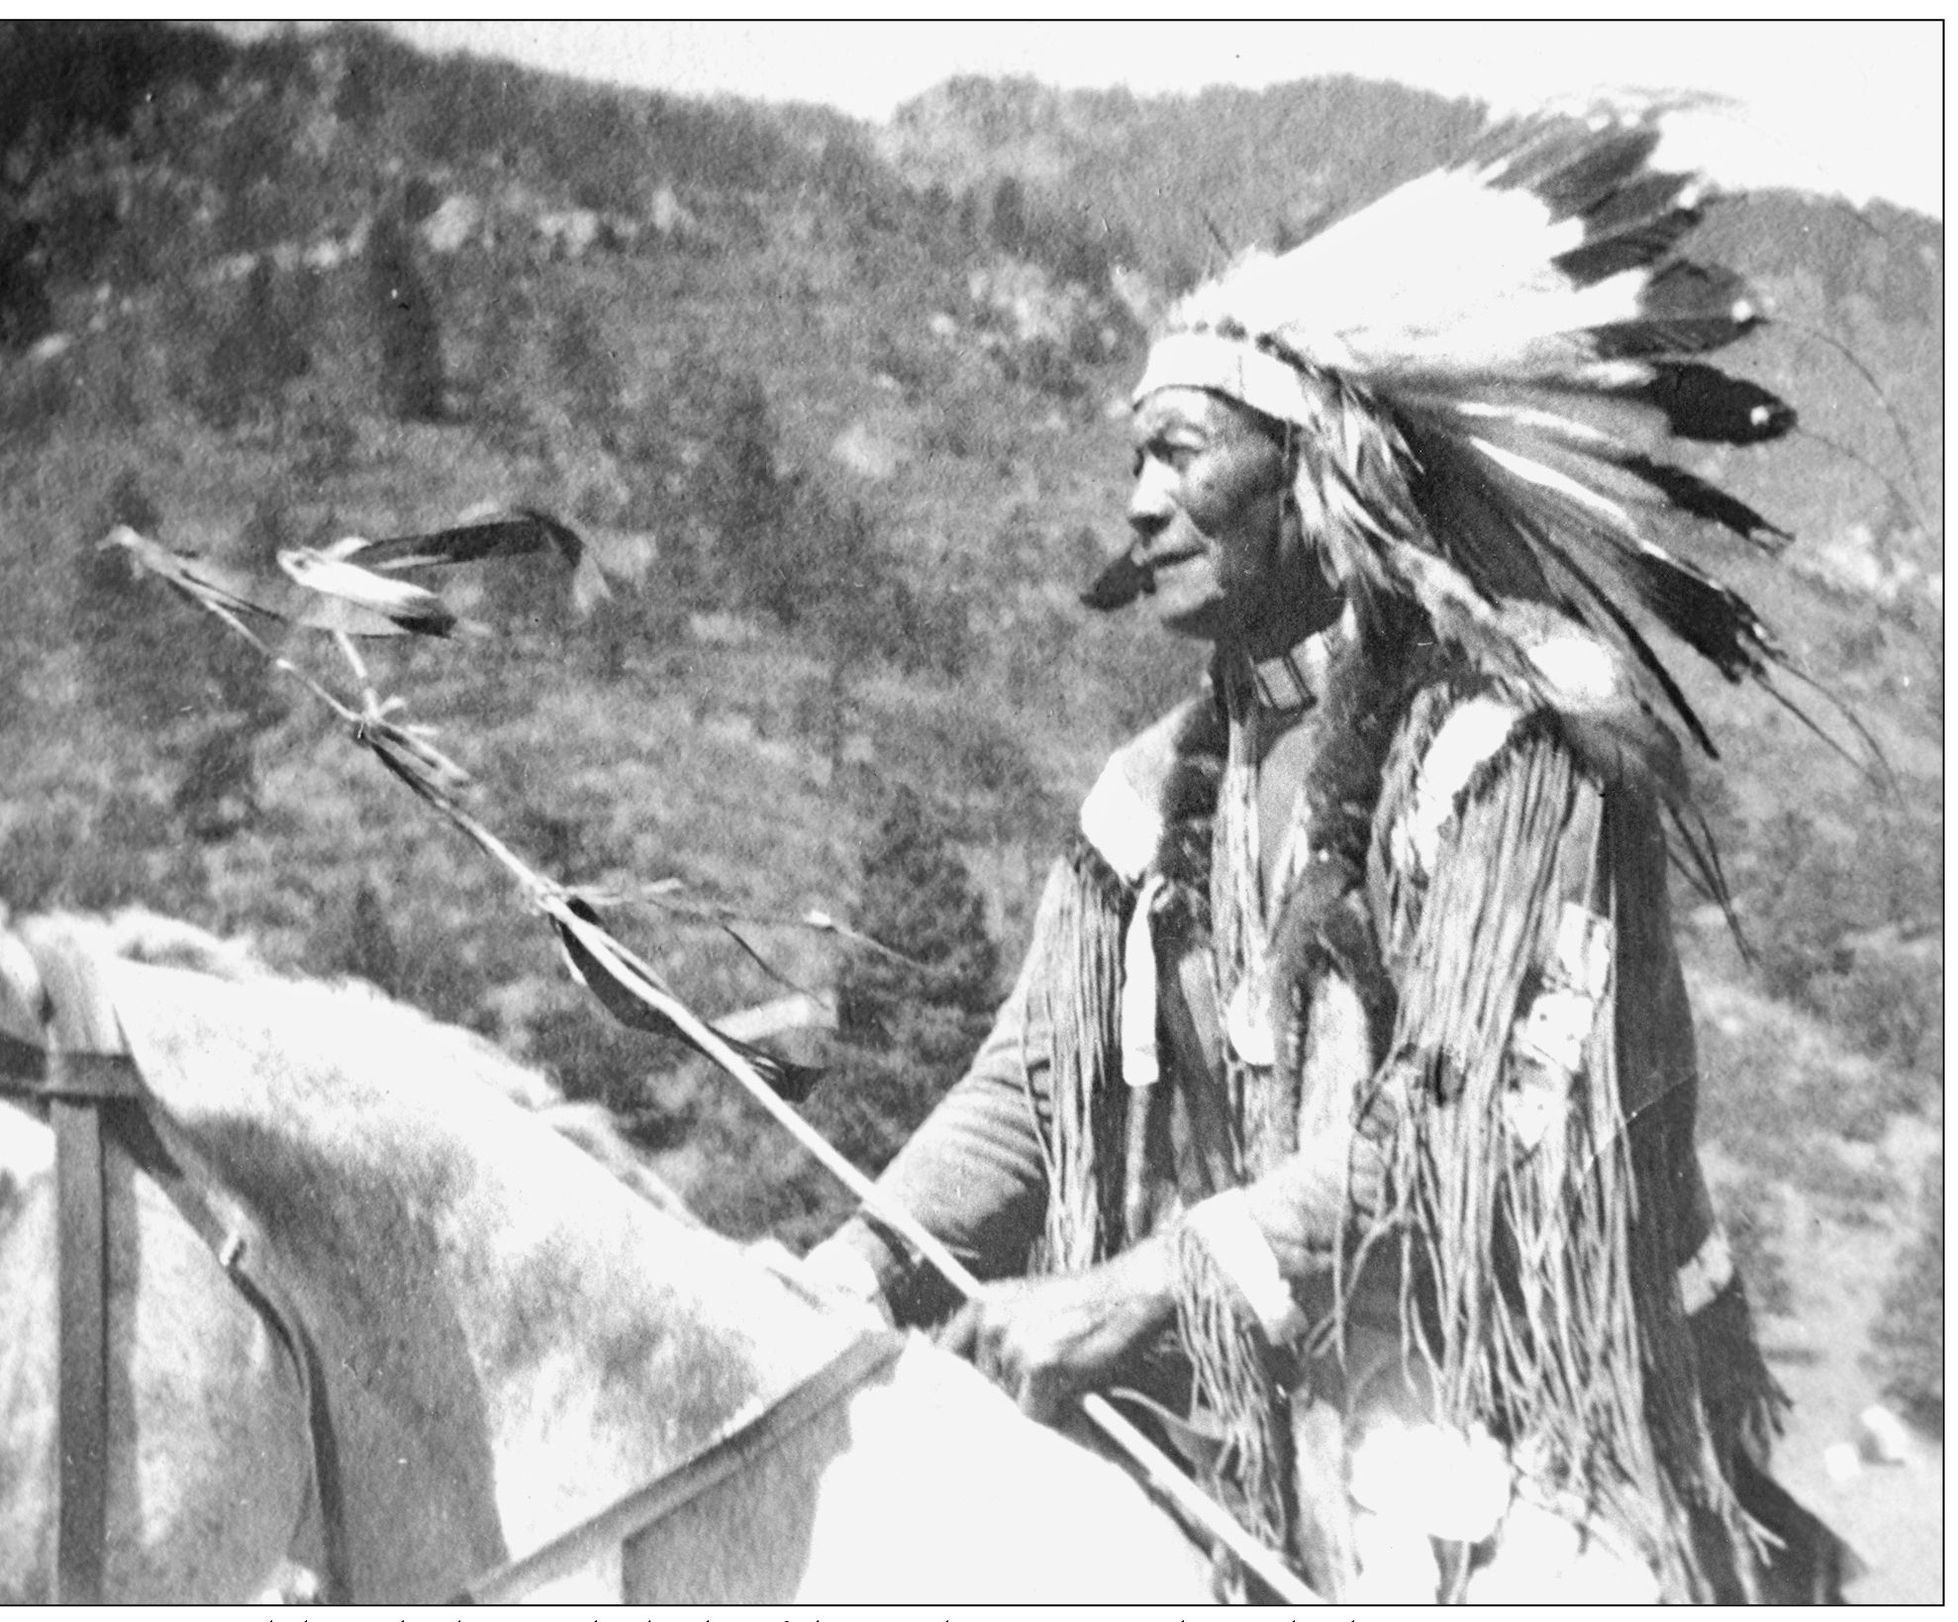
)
(1146, 1278)
(1236, 1244)
(841, 1266)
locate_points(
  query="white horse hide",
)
(514, 1339)
(205, 1481)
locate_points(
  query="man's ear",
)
(1293, 539)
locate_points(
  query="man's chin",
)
(1202, 618)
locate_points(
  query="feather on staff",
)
(359, 587)
(364, 573)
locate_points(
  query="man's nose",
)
(1151, 501)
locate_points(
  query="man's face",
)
(1209, 515)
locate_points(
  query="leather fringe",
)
(1542, 1277)
(1236, 1377)
(1089, 1122)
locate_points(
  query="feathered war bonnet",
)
(1484, 370)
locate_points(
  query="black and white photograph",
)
(990, 813)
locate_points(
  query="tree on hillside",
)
(848, 601)
(1816, 909)
(405, 318)
(70, 78)
(747, 500)
(26, 311)
(366, 946)
(587, 365)
(916, 896)
(510, 386)
(132, 633)
(98, 854)
(905, 1033)
(191, 690)
(1009, 215)
(853, 592)
(906, 1030)
(481, 111)
(217, 793)
(257, 353)
(1910, 1334)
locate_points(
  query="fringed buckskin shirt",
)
(1359, 984)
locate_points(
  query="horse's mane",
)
(140, 936)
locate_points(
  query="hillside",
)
(840, 410)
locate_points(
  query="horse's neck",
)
(204, 1475)
(484, 1293)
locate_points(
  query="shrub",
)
(1820, 909)
(1008, 221)
(915, 368)
(325, 438)
(1909, 1336)
(217, 795)
(183, 683)
(1782, 1108)
(748, 501)
(1754, 1217)
(796, 1200)
(365, 946)
(916, 897)
(257, 353)
(410, 331)
(1890, 1007)
(587, 367)
(126, 850)
(590, 1055)
(928, 630)
(268, 530)
(906, 1031)
(129, 503)
(26, 311)
(1803, 906)
(47, 860)
(440, 976)
(417, 943)
(974, 764)
(1046, 366)
(142, 648)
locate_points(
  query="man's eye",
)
(1173, 455)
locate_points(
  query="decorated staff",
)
(1344, 1107)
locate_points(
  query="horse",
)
(516, 1327)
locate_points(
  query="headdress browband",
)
(1231, 367)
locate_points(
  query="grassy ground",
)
(1892, 1513)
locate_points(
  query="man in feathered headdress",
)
(1344, 1107)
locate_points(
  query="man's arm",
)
(973, 1173)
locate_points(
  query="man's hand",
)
(1045, 1340)
(842, 1279)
